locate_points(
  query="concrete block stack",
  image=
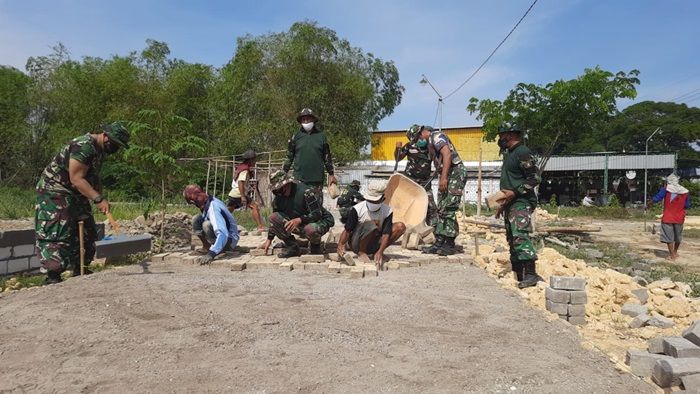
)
(416, 236)
(17, 252)
(566, 296)
(670, 361)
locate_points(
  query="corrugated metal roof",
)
(615, 162)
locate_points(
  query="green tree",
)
(559, 112)
(272, 77)
(14, 128)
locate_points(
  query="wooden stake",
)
(81, 238)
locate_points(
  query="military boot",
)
(290, 251)
(315, 249)
(433, 249)
(518, 269)
(448, 247)
(53, 277)
(530, 277)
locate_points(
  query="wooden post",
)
(206, 189)
(223, 189)
(216, 175)
(81, 238)
(478, 184)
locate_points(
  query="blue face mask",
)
(421, 143)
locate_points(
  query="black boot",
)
(76, 271)
(53, 277)
(530, 278)
(448, 247)
(433, 249)
(518, 269)
(290, 251)
(315, 249)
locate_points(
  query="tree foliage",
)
(559, 112)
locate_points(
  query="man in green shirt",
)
(418, 167)
(309, 154)
(519, 178)
(348, 198)
(296, 210)
(64, 191)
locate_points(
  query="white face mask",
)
(308, 126)
(373, 206)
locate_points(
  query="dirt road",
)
(183, 328)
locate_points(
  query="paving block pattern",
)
(567, 282)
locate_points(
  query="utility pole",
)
(646, 166)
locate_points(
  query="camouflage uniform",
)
(448, 201)
(519, 174)
(59, 207)
(302, 203)
(418, 169)
(347, 199)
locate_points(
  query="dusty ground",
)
(185, 328)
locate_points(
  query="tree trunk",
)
(162, 221)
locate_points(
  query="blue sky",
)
(444, 40)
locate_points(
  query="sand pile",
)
(607, 329)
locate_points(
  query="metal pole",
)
(216, 175)
(478, 184)
(605, 177)
(206, 189)
(646, 166)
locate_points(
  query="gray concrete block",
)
(567, 282)
(3, 267)
(370, 271)
(17, 265)
(413, 241)
(640, 321)
(316, 267)
(642, 363)
(641, 294)
(577, 320)
(656, 345)
(576, 310)
(312, 258)
(680, 348)
(262, 264)
(334, 268)
(391, 265)
(34, 262)
(560, 296)
(238, 265)
(23, 250)
(691, 383)
(257, 252)
(298, 265)
(17, 237)
(349, 260)
(633, 309)
(122, 245)
(692, 333)
(5, 252)
(558, 308)
(668, 372)
(578, 297)
(356, 273)
(661, 322)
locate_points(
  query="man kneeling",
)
(369, 227)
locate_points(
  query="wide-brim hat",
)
(375, 191)
(249, 154)
(306, 112)
(117, 133)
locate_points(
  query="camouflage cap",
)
(306, 112)
(412, 132)
(510, 128)
(280, 178)
(117, 133)
(355, 183)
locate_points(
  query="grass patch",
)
(16, 203)
(691, 233)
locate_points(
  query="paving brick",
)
(349, 259)
(692, 333)
(642, 363)
(123, 245)
(174, 257)
(560, 296)
(334, 257)
(454, 259)
(576, 310)
(157, 258)
(418, 262)
(345, 269)
(371, 271)
(578, 297)
(316, 267)
(312, 258)
(429, 239)
(5, 252)
(577, 320)
(334, 267)
(422, 229)
(298, 265)
(413, 241)
(640, 321)
(555, 307)
(679, 347)
(17, 237)
(17, 265)
(392, 265)
(262, 264)
(660, 321)
(691, 383)
(633, 309)
(567, 282)
(404, 240)
(641, 294)
(257, 252)
(668, 372)
(286, 266)
(403, 264)
(190, 259)
(656, 345)
(238, 265)
(23, 250)
(356, 273)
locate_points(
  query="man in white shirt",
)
(369, 228)
(241, 195)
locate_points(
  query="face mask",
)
(503, 143)
(110, 147)
(373, 206)
(308, 126)
(421, 143)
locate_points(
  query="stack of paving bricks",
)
(566, 296)
(17, 252)
(415, 236)
(670, 361)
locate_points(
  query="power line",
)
(493, 52)
(686, 95)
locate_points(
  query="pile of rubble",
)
(607, 328)
(177, 231)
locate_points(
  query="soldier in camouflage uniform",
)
(348, 198)
(519, 178)
(296, 210)
(418, 167)
(309, 154)
(453, 178)
(64, 191)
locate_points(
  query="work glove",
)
(206, 259)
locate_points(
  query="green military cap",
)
(510, 128)
(412, 132)
(280, 178)
(117, 133)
